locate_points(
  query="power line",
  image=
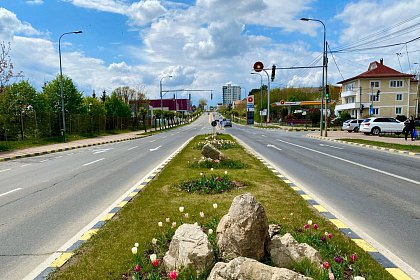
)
(328, 46)
(378, 47)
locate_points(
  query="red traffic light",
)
(258, 66)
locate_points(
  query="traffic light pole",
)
(326, 85)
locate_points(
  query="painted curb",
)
(389, 266)
(84, 237)
(394, 151)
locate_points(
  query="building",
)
(179, 105)
(380, 91)
(231, 94)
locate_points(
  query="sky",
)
(205, 44)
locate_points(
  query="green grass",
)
(108, 255)
(411, 148)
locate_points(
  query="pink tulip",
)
(173, 275)
(330, 235)
(353, 257)
(306, 226)
(137, 268)
(315, 226)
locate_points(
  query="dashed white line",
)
(59, 157)
(10, 191)
(25, 165)
(132, 148)
(44, 160)
(4, 170)
(92, 162)
(152, 141)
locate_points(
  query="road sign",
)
(250, 99)
(282, 102)
(250, 109)
(258, 66)
(213, 123)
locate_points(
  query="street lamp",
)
(160, 84)
(324, 78)
(418, 82)
(61, 82)
(261, 90)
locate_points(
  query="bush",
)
(209, 185)
(223, 164)
(220, 144)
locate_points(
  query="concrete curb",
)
(389, 266)
(116, 207)
(394, 151)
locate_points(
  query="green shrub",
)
(209, 185)
(223, 164)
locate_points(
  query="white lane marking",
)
(354, 163)
(4, 170)
(93, 161)
(164, 137)
(59, 157)
(155, 149)
(132, 148)
(152, 141)
(70, 154)
(10, 191)
(334, 147)
(101, 151)
(25, 165)
(44, 160)
(263, 135)
(272, 146)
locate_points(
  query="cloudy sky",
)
(205, 44)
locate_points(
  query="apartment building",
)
(231, 93)
(380, 91)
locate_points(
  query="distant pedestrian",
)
(409, 128)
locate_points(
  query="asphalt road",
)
(46, 200)
(375, 192)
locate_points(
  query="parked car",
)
(352, 125)
(375, 125)
(345, 123)
(227, 122)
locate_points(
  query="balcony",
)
(348, 93)
(349, 106)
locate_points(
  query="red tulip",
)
(330, 235)
(306, 226)
(326, 265)
(315, 226)
(155, 263)
(137, 268)
(353, 257)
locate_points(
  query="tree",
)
(202, 103)
(125, 93)
(6, 66)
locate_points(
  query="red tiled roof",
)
(378, 70)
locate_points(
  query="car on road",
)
(345, 123)
(376, 125)
(227, 122)
(352, 125)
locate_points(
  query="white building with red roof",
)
(380, 91)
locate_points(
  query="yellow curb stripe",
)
(281, 176)
(122, 203)
(62, 259)
(147, 180)
(287, 181)
(320, 208)
(133, 194)
(398, 274)
(364, 245)
(296, 188)
(338, 223)
(108, 217)
(88, 234)
(306, 197)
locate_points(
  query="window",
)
(349, 87)
(396, 83)
(399, 97)
(375, 111)
(374, 84)
(374, 97)
(398, 111)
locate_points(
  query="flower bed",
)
(209, 184)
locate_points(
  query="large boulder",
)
(285, 250)
(243, 232)
(189, 247)
(249, 269)
(209, 151)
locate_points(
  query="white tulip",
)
(160, 224)
(210, 231)
(310, 222)
(168, 220)
(181, 209)
(153, 257)
(154, 241)
(136, 244)
(215, 205)
(202, 214)
(134, 250)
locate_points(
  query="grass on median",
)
(411, 148)
(107, 255)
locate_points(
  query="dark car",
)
(227, 122)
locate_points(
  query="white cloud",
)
(35, 2)
(11, 25)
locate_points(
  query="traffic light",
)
(211, 96)
(258, 66)
(273, 72)
(327, 94)
(189, 96)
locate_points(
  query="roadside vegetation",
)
(411, 148)
(151, 218)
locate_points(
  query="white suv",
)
(374, 125)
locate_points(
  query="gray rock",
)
(189, 248)
(249, 269)
(244, 230)
(209, 151)
(284, 250)
(273, 229)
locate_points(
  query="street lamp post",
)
(416, 113)
(63, 115)
(324, 63)
(161, 100)
(260, 93)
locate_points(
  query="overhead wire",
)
(335, 62)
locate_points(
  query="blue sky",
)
(203, 44)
